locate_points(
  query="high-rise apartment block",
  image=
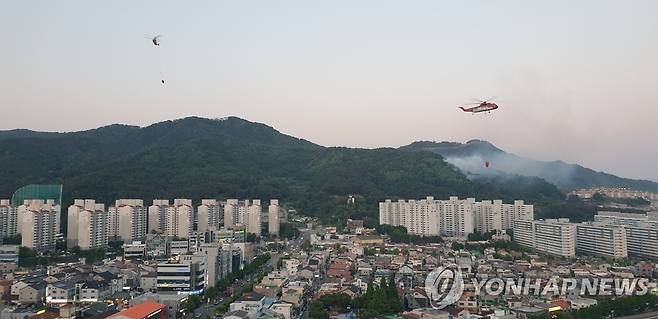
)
(246, 213)
(8, 218)
(551, 236)
(641, 231)
(273, 222)
(179, 219)
(38, 224)
(209, 215)
(601, 240)
(128, 220)
(87, 225)
(253, 223)
(452, 217)
(157, 215)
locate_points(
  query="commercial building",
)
(273, 223)
(452, 217)
(601, 240)
(9, 253)
(182, 274)
(551, 236)
(135, 249)
(175, 303)
(128, 220)
(38, 220)
(213, 262)
(148, 310)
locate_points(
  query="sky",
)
(575, 81)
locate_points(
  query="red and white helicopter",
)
(480, 106)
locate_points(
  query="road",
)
(648, 315)
(209, 309)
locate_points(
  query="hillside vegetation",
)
(234, 158)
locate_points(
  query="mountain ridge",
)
(234, 158)
(471, 156)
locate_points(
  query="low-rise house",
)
(61, 293)
(293, 295)
(148, 282)
(252, 303)
(32, 294)
(283, 308)
(93, 291)
(16, 288)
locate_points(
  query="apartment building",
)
(209, 215)
(550, 236)
(273, 221)
(452, 217)
(38, 221)
(243, 213)
(156, 215)
(8, 218)
(87, 225)
(253, 218)
(641, 231)
(601, 240)
(128, 220)
(179, 219)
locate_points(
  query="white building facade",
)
(452, 217)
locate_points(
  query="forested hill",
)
(234, 158)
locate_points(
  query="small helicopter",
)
(480, 106)
(156, 40)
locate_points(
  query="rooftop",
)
(139, 311)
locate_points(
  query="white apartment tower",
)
(38, 224)
(246, 213)
(457, 217)
(22, 209)
(551, 236)
(179, 219)
(156, 215)
(231, 213)
(253, 222)
(128, 220)
(601, 240)
(273, 222)
(8, 218)
(209, 215)
(641, 231)
(452, 217)
(87, 225)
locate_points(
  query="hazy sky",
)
(576, 80)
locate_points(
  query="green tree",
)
(211, 293)
(318, 311)
(193, 302)
(392, 294)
